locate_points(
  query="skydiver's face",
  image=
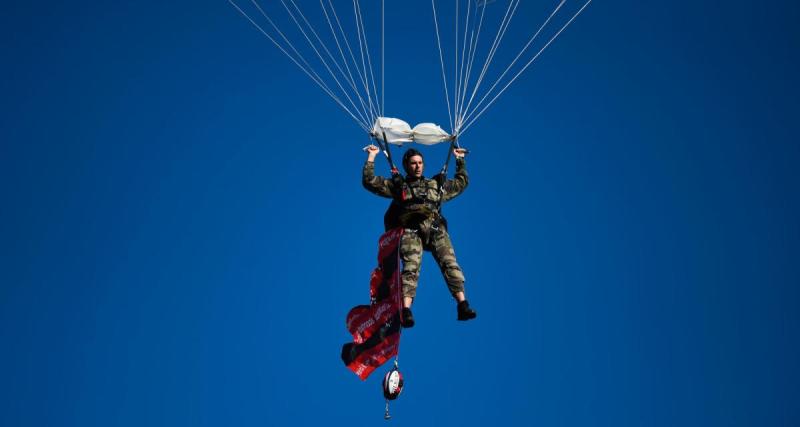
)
(415, 166)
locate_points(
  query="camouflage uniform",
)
(416, 207)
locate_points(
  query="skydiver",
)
(416, 206)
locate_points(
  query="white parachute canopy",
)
(399, 132)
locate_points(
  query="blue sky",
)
(184, 228)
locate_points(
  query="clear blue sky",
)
(184, 229)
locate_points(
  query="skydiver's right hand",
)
(372, 151)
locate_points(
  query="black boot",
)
(465, 312)
(406, 318)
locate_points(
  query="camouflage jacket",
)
(419, 200)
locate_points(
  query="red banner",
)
(376, 327)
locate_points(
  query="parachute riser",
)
(443, 172)
(453, 145)
(384, 146)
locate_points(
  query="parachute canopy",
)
(398, 132)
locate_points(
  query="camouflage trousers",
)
(439, 245)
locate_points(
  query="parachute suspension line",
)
(363, 36)
(350, 51)
(351, 79)
(470, 61)
(498, 38)
(383, 57)
(473, 48)
(441, 59)
(369, 58)
(362, 68)
(307, 67)
(528, 64)
(461, 66)
(327, 51)
(361, 42)
(535, 35)
(289, 43)
(314, 47)
(455, 69)
(464, 80)
(318, 79)
(501, 31)
(310, 73)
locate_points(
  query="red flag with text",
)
(376, 327)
